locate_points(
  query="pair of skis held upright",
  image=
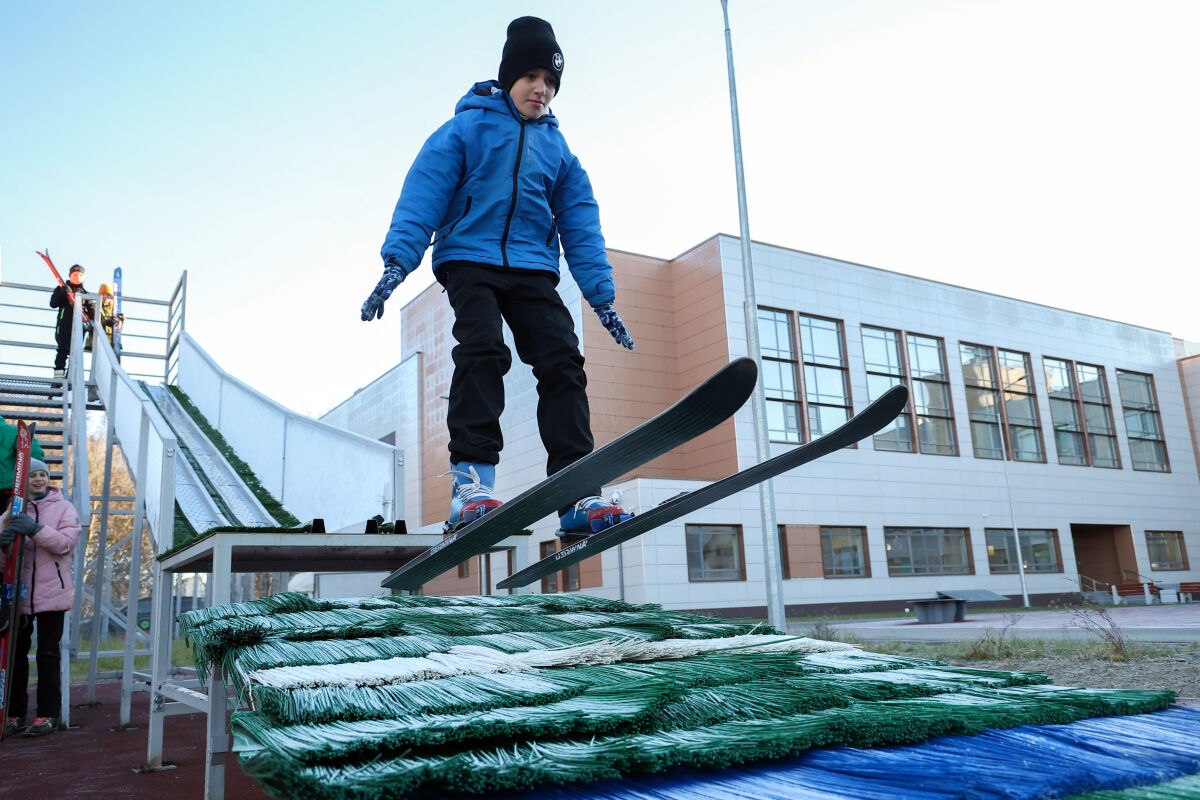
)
(10, 582)
(702, 409)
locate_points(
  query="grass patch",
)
(1018, 649)
(181, 656)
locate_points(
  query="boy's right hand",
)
(373, 307)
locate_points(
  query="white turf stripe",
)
(473, 659)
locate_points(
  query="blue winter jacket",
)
(500, 190)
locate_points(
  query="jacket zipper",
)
(463, 216)
(513, 205)
(58, 569)
(553, 231)
(37, 515)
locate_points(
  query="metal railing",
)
(149, 447)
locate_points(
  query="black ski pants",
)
(62, 338)
(544, 335)
(49, 685)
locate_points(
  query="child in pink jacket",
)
(52, 528)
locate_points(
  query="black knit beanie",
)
(530, 44)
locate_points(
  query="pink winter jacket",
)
(46, 566)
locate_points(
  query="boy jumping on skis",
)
(499, 187)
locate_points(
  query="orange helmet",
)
(104, 289)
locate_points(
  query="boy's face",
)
(75, 278)
(533, 91)
(39, 482)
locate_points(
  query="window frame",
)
(1156, 410)
(1107, 406)
(691, 528)
(1010, 449)
(1054, 541)
(552, 581)
(1183, 555)
(827, 531)
(803, 360)
(891, 530)
(908, 412)
(1081, 412)
(945, 383)
(795, 363)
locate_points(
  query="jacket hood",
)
(488, 95)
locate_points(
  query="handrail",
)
(106, 369)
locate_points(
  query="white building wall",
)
(874, 489)
(865, 487)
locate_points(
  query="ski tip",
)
(892, 401)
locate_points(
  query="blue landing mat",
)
(1025, 763)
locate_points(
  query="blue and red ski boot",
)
(591, 515)
(471, 496)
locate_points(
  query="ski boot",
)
(471, 496)
(590, 515)
(41, 726)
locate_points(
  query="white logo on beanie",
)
(558, 61)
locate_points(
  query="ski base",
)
(702, 409)
(871, 420)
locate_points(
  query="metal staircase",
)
(42, 401)
(60, 408)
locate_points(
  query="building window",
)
(779, 365)
(1097, 416)
(826, 382)
(844, 552)
(983, 400)
(550, 582)
(570, 578)
(714, 553)
(885, 369)
(1080, 413)
(1019, 410)
(931, 395)
(464, 569)
(1064, 412)
(1039, 551)
(927, 551)
(1166, 550)
(1143, 424)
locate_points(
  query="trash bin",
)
(937, 609)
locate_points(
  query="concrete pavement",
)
(1155, 623)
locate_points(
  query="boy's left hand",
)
(373, 307)
(614, 325)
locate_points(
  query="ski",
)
(87, 323)
(700, 410)
(10, 583)
(872, 419)
(116, 340)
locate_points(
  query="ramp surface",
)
(233, 503)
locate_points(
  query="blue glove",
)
(23, 524)
(373, 307)
(610, 320)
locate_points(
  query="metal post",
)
(773, 574)
(101, 568)
(133, 596)
(1012, 515)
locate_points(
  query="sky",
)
(1039, 149)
